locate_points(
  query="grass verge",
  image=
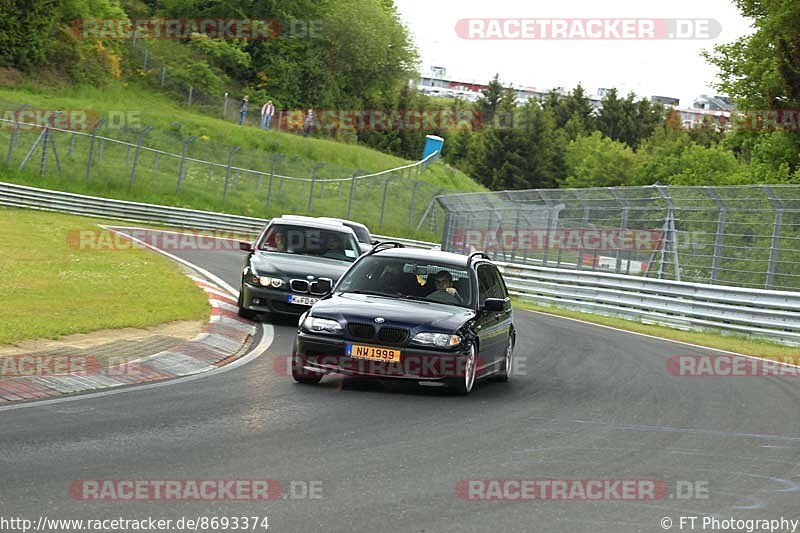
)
(732, 343)
(155, 177)
(49, 288)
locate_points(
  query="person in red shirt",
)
(267, 111)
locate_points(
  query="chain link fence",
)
(166, 167)
(746, 236)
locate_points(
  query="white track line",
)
(267, 337)
(180, 260)
(660, 338)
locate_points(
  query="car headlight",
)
(266, 281)
(321, 325)
(442, 340)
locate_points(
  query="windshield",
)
(409, 278)
(300, 240)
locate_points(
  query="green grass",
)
(49, 288)
(156, 177)
(732, 343)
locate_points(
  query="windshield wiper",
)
(415, 298)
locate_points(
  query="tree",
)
(671, 158)
(597, 161)
(762, 70)
(628, 120)
(489, 102)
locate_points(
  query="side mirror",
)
(246, 246)
(494, 304)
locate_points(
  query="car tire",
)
(299, 375)
(508, 364)
(243, 312)
(464, 384)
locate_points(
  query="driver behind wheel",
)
(445, 293)
(334, 248)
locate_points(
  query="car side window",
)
(499, 284)
(489, 283)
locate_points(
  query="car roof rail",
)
(475, 255)
(385, 245)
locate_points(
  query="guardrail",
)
(773, 315)
(13, 195)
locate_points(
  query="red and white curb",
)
(224, 339)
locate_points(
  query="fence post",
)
(33, 148)
(163, 75)
(182, 171)
(45, 138)
(671, 240)
(71, 145)
(146, 57)
(550, 211)
(622, 227)
(228, 173)
(90, 159)
(191, 90)
(313, 181)
(139, 141)
(275, 159)
(776, 235)
(51, 141)
(718, 238)
(427, 212)
(353, 183)
(225, 107)
(383, 202)
(417, 183)
(14, 132)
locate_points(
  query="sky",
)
(647, 67)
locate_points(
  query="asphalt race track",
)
(593, 403)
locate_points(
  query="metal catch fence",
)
(747, 236)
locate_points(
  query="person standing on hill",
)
(243, 109)
(309, 122)
(267, 110)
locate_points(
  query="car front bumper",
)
(270, 300)
(316, 354)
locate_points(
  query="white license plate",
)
(302, 300)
